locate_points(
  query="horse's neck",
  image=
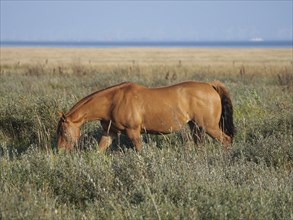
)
(94, 107)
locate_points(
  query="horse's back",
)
(186, 93)
(133, 87)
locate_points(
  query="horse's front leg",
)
(134, 136)
(107, 137)
(105, 142)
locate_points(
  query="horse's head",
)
(67, 133)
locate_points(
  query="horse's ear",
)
(59, 114)
(62, 116)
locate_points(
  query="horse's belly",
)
(164, 124)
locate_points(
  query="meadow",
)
(171, 178)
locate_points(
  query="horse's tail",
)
(226, 122)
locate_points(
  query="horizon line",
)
(145, 40)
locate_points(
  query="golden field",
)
(264, 60)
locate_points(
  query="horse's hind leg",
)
(196, 132)
(219, 135)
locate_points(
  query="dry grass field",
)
(260, 60)
(145, 56)
(171, 178)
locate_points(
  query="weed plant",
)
(171, 178)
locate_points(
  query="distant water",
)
(149, 44)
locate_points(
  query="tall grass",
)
(171, 178)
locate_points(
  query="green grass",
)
(171, 178)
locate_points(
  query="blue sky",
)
(146, 20)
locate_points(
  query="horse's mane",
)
(91, 96)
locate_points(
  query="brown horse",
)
(132, 109)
